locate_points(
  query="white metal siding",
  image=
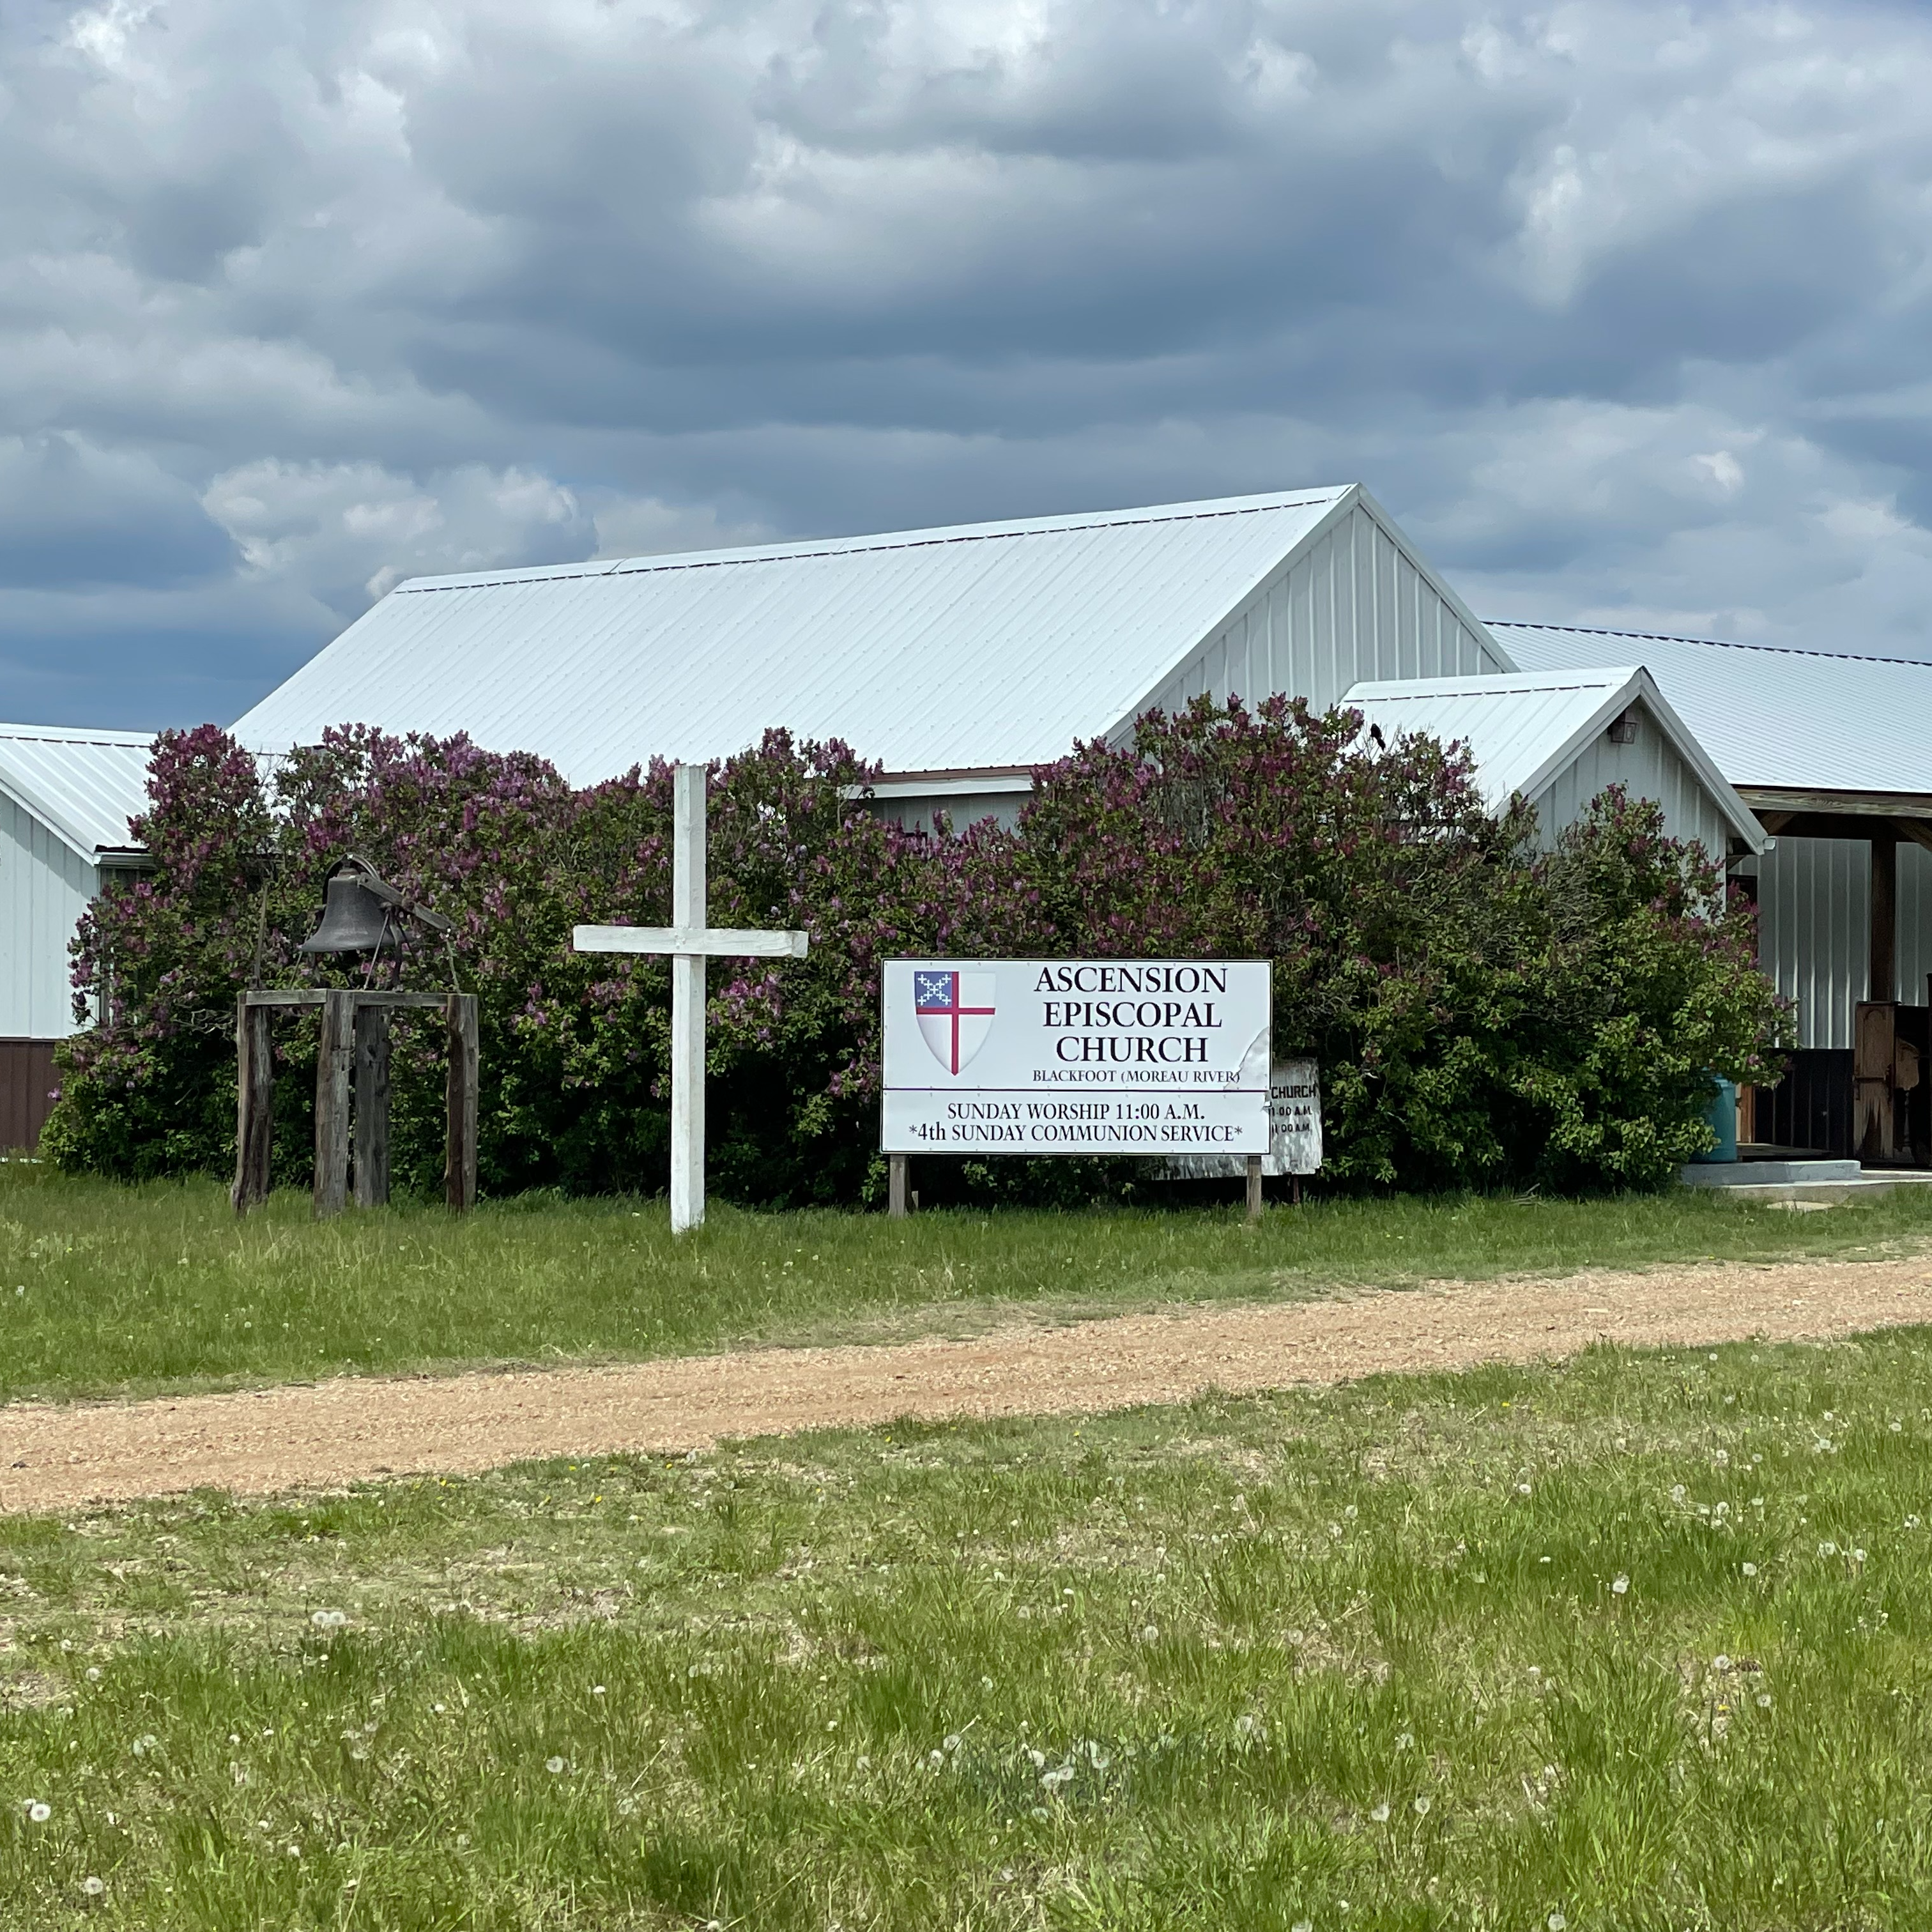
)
(1651, 768)
(1814, 929)
(45, 886)
(1814, 926)
(1915, 922)
(1353, 606)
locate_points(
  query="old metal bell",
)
(354, 919)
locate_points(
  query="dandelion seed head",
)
(1522, 1489)
(93, 1673)
(1750, 1569)
(1379, 1814)
(554, 1766)
(93, 1886)
(1422, 1806)
(1764, 1700)
(1556, 1921)
(39, 1810)
(1620, 1584)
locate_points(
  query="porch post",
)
(1884, 979)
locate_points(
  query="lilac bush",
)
(1485, 1013)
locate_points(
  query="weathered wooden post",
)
(459, 1169)
(1254, 1187)
(898, 1204)
(334, 1059)
(254, 1103)
(371, 1085)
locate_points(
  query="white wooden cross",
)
(689, 942)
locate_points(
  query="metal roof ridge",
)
(1714, 643)
(74, 734)
(934, 537)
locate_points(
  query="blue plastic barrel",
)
(1722, 1114)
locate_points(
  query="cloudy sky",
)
(1625, 309)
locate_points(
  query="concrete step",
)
(1767, 1173)
(1803, 1186)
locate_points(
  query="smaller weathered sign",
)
(1294, 1130)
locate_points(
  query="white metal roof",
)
(987, 644)
(1770, 716)
(1523, 728)
(84, 785)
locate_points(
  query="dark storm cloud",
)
(1621, 306)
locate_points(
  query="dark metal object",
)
(353, 919)
(361, 911)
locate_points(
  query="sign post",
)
(689, 942)
(1160, 1058)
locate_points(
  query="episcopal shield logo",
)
(955, 1013)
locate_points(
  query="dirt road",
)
(53, 1458)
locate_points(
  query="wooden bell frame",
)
(353, 1058)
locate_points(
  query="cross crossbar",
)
(713, 941)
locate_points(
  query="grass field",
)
(105, 1290)
(1637, 1642)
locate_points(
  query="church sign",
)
(1076, 1056)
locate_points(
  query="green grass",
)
(1643, 1641)
(107, 1290)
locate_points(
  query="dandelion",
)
(554, 1766)
(935, 1760)
(1911, 1522)
(1422, 1806)
(1764, 1700)
(1828, 1550)
(93, 1673)
(92, 1886)
(38, 1812)
(1150, 1633)
(865, 1763)
(951, 1740)
(1379, 1814)
(1039, 1814)
(1620, 1584)
(1677, 1492)
(1098, 1758)
(1303, 1925)
(1556, 1922)
(985, 1684)
(1858, 1556)
(1722, 1458)
(1720, 1664)
(295, 1851)
(1750, 1569)
(1522, 1489)
(596, 1689)
(1406, 1741)
(329, 1619)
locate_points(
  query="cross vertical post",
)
(688, 909)
(688, 941)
